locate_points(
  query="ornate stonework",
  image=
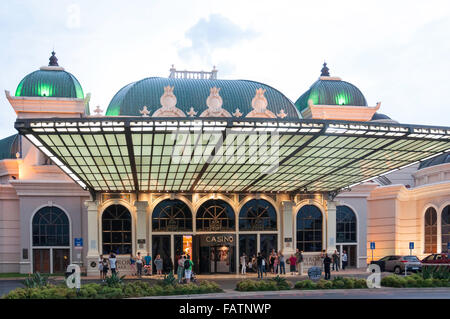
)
(214, 103)
(259, 104)
(168, 101)
(145, 112)
(191, 112)
(237, 113)
(282, 114)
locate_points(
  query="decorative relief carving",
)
(168, 101)
(214, 103)
(259, 104)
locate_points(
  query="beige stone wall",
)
(9, 230)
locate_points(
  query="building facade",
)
(69, 198)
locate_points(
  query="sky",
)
(395, 52)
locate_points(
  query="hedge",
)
(277, 283)
(413, 281)
(336, 283)
(126, 290)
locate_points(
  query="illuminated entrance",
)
(216, 253)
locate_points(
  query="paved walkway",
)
(382, 293)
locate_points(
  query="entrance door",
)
(41, 261)
(219, 259)
(60, 260)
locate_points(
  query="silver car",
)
(397, 264)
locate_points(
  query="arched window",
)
(430, 231)
(215, 215)
(172, 215)
(257, 215)
(345, 225)
(50, 227)
(116, 230)
(309, 229)
(445, 228)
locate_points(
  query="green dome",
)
(51, 81)
(236, 94)
(331, 91)
(9, 146)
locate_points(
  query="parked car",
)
(436, 259)
(397, 263)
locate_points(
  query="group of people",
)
(334, 262)
(184, 270)
(275, 263)
(137, 264)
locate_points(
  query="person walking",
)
(326, 266)
(335, 258)
(259, 260)
(180, 270)
(292, 263)
(243, 264)
(344, 260)
(188, 268)
(158, 264)
(282, 264)
(139, 265)
(112, 264)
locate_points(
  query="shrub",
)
(324, 284)
(169, 280)
(261, 285)
(35, 280)
(281, 283)
(114, 280)
(413, 281)
(305, 284)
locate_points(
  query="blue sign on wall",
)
(78, 242)
(448, 246)
(411, 245)
(372, 245)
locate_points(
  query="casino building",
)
(214, 168)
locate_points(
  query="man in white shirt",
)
(344, 260)
(243, 264)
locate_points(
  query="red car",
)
(436, 259)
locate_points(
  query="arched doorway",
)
(430, 231)
(172, 219)
(309, 229)
(215, 244)
(50, 240)
(445, 229)
(346, 234)
(257, 228)
(116, 230)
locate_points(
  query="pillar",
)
(92, 237)
(141, 227)
(287, 240)
(331, 227)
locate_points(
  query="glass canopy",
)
(223, 155)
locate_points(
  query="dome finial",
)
(53, 60)
(325, 70)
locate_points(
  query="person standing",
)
(139, 264)
(299, 256)
(180, 270)
(133, 265)
(344, 260)
(276, 263)
(158, 264)
(335, 258)
(292, 263)
(188, 268)
(112, 264)
(243, 264)
(272, 261)
(264, 265)
(148, 264)
(259, 260)
(326, 266)
(100, 266)
(105, 268)
(282, 264)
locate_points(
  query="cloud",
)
(208, 35)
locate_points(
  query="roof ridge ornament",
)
(191, 112)
(53, 60)
(168, 101)
(259, 104)
(98, 111)
(237, 113)
(325, 70)
(145, 112)
(214, 103)
(282, 114)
